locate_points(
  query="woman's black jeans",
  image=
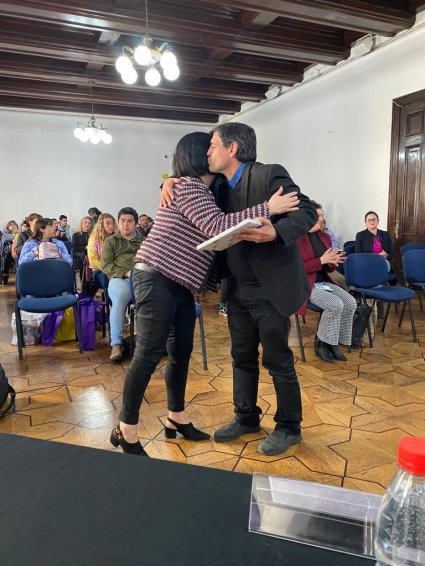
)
(161, 304)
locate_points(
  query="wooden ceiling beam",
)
(71, 93)
(245, 69)
(106, 110)
(183, 25)
(356, 15)
(222, 89)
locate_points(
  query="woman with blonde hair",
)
(80, 239)
(104, 227)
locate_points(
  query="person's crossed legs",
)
(120, 294)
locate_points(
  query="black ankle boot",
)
(117, 439)
(188, 431)
(323, 351)
(337, 354)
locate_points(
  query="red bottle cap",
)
(411, 454)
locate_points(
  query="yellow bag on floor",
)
(66, 330)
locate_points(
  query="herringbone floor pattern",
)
(354, 412)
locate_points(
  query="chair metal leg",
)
(19, 332)
(396, 307)
(77, 314)
(402, 314)
(300, 338)
(131, 331)
(420, 299)
(369, 332)
(387, 312)
(203, 345)
(412, 321)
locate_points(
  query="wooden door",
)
(406, 207)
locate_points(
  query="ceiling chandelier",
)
(154, 58)
(91, 131)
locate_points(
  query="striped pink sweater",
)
(192, 218)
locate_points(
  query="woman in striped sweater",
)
(168, 270)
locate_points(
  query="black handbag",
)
(6, 393)
(360, 320)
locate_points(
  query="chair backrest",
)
(366, 270)
(44, 278)
(414, 266)
(349, 243)
(409, 247)
(68, 246)
(348, 250)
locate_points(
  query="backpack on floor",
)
(360, 320)
(6, 391)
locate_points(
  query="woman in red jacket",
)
(338, 306)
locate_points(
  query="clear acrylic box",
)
(316, 514)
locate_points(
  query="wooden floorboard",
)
(355, 412)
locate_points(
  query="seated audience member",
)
(144, 228)
(104, 228)
(79, 242)
(94, 214)
(6, 249)
(117, 262)
(25, 236)
(43, 244)
(373, 240)
(64, 232)
(331, 234)
(338, 306)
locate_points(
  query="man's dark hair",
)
(63, 217)
(370, 212)
(316, 204)
(129, 210)
(243, 135)
(190, 157)
(93, 210)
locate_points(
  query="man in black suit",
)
(268, 285)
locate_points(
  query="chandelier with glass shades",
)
(91, 131)
(154, 59)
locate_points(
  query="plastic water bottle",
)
(400, 526)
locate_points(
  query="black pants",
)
(7, 262)
(161, 304)
(253, 319)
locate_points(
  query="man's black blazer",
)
(277, 265)
(364, 242)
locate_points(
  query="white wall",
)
(45, 169)
(333, 134)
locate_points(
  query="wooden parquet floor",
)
(355, 412)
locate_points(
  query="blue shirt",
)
(236, 177)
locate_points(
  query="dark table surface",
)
(66, 505)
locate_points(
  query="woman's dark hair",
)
(41, 223)
(370, 212)
(190, 157)
(316, 204)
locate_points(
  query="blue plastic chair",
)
(367, 274)
(45, 286)
(410, 247)
(349, 244)
(413, 263)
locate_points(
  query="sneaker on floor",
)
(223, 310)
(278, 442)
(116, 353)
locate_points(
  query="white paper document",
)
(227, 238)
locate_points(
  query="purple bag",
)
(88, 323)
(50, 326)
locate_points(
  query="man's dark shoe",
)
(233, 430)
(337, 354)
(323, 351)
(278, 442)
